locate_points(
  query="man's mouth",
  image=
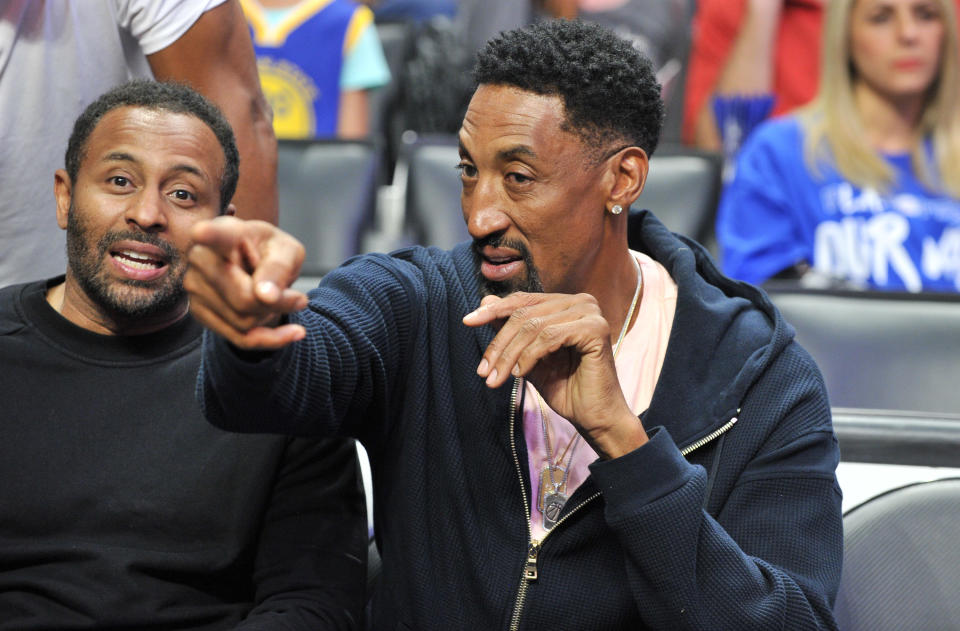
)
(139, 261)
(497, 265)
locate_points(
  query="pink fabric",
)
(639, 361)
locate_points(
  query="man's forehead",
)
(509, 120)
(136, 134)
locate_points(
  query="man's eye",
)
(519, 178)
(119, 180)
(467, 170)
(183, 195)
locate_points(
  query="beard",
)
(122, 298)
(530, 282)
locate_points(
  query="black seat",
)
(328, 192)
(682, 190)
(901, 562)
(880, 350)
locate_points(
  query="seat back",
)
(682, 190)
(433, 214)
(880, 350)
(327, 190)
(901, 562)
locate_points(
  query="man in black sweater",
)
(121, 507)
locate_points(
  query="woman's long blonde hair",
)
(835, 130)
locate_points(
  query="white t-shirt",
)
(56, 57)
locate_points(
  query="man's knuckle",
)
(532, 326)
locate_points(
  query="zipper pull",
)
(530, 570)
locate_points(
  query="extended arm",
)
(215, 56)
(333, 361)
(310, 569)
(763, 219)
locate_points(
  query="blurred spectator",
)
(750, 48)
(863, 184)
(58, 56)
(317, 61)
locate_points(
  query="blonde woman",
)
(861, 186)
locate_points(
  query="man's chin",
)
(132, 299)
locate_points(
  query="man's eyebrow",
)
(188, 168)
(504, 155)
(121, 156)
(513, 152)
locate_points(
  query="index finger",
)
(223, 235)
(493, 308)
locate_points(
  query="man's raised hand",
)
(239, 281)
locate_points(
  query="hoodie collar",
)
(725, 333)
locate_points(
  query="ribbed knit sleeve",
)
(769, 556)
(359, 325)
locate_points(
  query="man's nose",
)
(484, 209)
(147, 211)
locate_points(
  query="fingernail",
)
(482, 368)
(516, 370)
(492, 378)
(268, 290)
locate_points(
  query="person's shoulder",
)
(11, 298)
(779, 130)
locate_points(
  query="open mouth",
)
(139, 261)
(499, 264)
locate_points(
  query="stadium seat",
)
(328, 192)
(682, 190)
(901, 565)
(880, 350)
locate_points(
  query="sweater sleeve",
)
(336, 381)
(768, 558)
(758, 225)
(310, 571)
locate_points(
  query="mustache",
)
(499, 241)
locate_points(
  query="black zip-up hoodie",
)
(743, 532)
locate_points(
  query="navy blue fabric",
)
(646, 545)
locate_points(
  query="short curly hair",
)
(164, 96)
(608, 88)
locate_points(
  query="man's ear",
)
(230, 211)
(63, 192)
(630, 166)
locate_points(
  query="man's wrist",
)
(619, 438)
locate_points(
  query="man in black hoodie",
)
(564, 432)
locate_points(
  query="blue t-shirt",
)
(776, 213)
